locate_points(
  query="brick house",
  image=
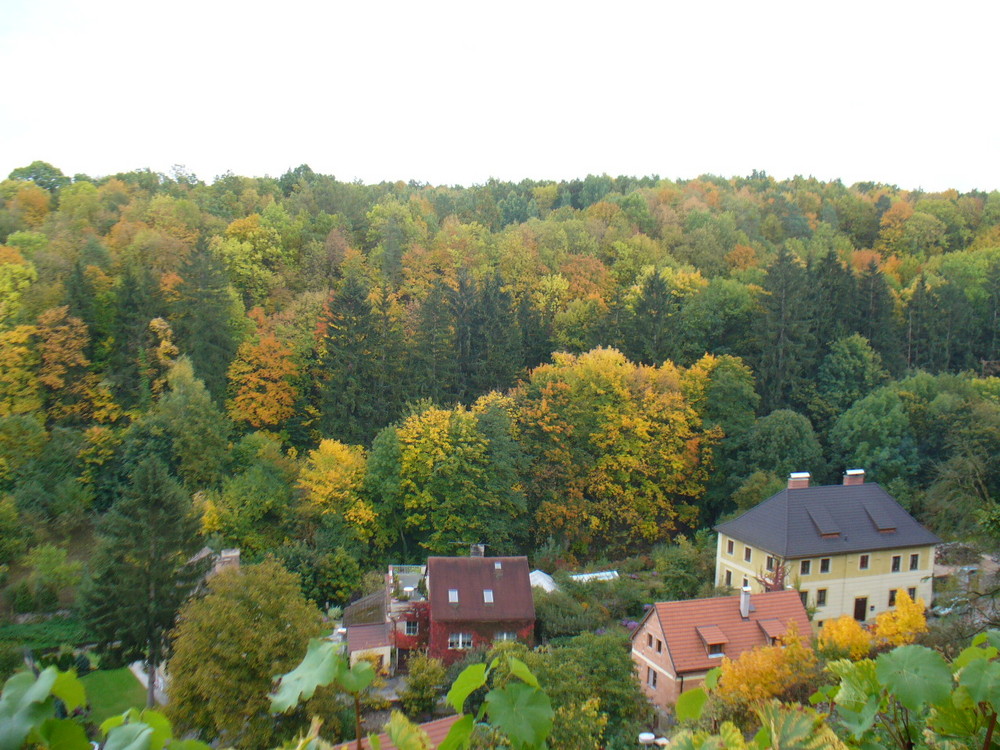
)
(475, 601)
(848, 548)
(677, 643)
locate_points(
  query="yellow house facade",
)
(848, 549)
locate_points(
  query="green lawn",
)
(111, 692)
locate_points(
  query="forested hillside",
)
(343, 374)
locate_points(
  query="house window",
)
(651, 677)
(915, 561)
(747, 554)
(746, 581)
(412, 628)
(460, 640)
(804, 596)
(863, 562)
(498, 565)
(892, 597)
(805, 567)
(729, 578)
(821, 597)
(769, 563)
(488, 596)
(505, 635)
(912, 591)
(730, 546)
(897, 561)
(649, 640)
(452, 596)
(716, 649)
(824, 565)
(659, 646)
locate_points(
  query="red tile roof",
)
(506, 577)
(365, 637)
(686, 624)
(436, 730)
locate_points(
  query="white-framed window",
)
(863, 562)
(820, 597)
(824, 565)
(730, 546)
(460, 640)
(506, 635)
(915, 561)
(488, 596)
(769, 563)
(912, 591)
(651, 677)
(729, 578)
(805, 567)
(412, 628)
(897, 563)
(747, 554)
(746, 581)
(497, 565)
(452, 596)
(892, 597)
(716, 649)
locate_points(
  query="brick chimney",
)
(799, 480)
(853, 477)
(745, 602)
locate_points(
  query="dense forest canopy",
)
(341, 373)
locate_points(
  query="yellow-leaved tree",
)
(901, 625)
(845, 636)
(331, 478)
(766, 672)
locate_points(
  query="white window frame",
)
(505, 635)
(459, 641)
(487, 596)
(411, 625)
(452, 596)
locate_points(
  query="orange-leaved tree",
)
(845, 636)
(767, 672)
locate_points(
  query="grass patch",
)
(112, 692)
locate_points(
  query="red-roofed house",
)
(475, 601)
(678, 642)
(436, 731)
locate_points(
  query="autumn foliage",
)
(767, 672)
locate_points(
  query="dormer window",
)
(488, 596)
(452, 596)
(714, 639)
(497, 565)
(716, 649)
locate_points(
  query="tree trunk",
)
(151, 687)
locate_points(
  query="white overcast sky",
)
(458, 92)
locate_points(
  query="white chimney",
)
(477, 550)
(799, 480)
(853, 477)
(745, 602)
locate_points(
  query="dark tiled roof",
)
(366, 611)
(471, 576)
(690, 626)
(830, 520)
(365, 637)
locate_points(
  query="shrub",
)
(424, 685)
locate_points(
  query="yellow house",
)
(848, 548)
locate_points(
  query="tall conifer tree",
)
(142, 571)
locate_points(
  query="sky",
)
(439, 92)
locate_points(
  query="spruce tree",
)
(203, 321)
(142, 571)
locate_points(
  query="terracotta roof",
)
(365, 637)
(686, 626)
(773, 627)
(436, 730)
(472, 577)
(831, 520)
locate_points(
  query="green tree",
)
(425, 682)
(783, 442)
(141, 573)
(228, 645)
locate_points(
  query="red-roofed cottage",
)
(475, 601)
(678, 642)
